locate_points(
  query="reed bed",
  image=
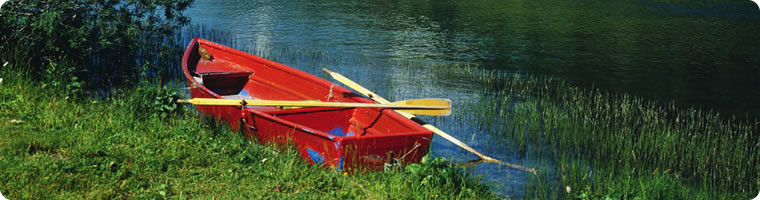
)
(595, 138)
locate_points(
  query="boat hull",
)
(340, 138)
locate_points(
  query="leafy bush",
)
(63, 78)
(106, 36)
(439, 171)
(151, 100)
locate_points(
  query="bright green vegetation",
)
(132, 145)
(608, 145)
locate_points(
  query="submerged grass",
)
(56, 146)
(610, 145)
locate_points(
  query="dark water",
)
(696, 53)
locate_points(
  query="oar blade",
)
(437, 107)
(425, 102)
(443, 112)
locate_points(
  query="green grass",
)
(611, 145)
(59, 147)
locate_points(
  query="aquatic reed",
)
(595, 137)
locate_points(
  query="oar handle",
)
(326, 70)
(353, 85)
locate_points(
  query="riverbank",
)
(126, 146)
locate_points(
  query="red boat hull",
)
(343, 138)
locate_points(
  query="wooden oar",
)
(435, 107)
(381, 100)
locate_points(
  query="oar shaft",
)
(381, 100)
(237, 102)
(434, 107)
(353, 85)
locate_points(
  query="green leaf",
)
(414, 168)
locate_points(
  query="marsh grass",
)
(612, 145)
(55, 147)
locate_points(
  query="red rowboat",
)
(343, 138)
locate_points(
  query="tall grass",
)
(617, 145)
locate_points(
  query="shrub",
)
(151, 100)
(101, 38)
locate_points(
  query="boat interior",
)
(240, 80)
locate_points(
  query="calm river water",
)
(695, 53)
